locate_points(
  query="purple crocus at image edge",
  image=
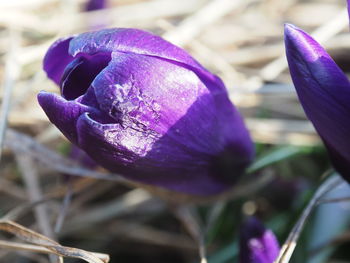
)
(93, 5)
(257, 244)
(144, 108)
(324, 93)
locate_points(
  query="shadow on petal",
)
(184, 159)
(57, 58)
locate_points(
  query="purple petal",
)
(145, 158)
(57, 58)
(89, 99)
(271, 246)
(153, 114)
(138, 42)
(64, 114)
(142, 100)
(183, 159)
(79, 74)
(257, 244)
(112, 145)
(324, 92)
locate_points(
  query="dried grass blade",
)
(291, 242)
(190, 219)
(21, 143)
(46, 245)
(11, 74)
(192, 25)
(26, 247)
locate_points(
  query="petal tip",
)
(293, 33)
(298, 41)
(44, 97)
(289, 27)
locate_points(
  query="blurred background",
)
(239, 40)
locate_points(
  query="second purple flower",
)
(257, 244)
(324, 92)
(144, 108)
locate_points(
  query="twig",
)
(208, 54)
(138, 230)
(26, 4)
(27, 247)
(12, 72)
(30, 178)
(10, 188)
(122, 15)
(22, 143)
(277, 131)
(137, 198)
(214, 213)
(193, 225)
(22, 209)
(334, 200)
(64, 208)
(46, 243)
(192, 25)
(291, 242)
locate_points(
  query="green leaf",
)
(276, 155)
(226, 254)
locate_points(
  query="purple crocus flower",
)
(92, 5)
(324, 92)
(257, 244)
(144, 108)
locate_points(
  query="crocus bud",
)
(324, 92)
(144, 108)
(257, 244)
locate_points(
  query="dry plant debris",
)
(239, 40)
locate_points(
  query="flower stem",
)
(291, 242)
